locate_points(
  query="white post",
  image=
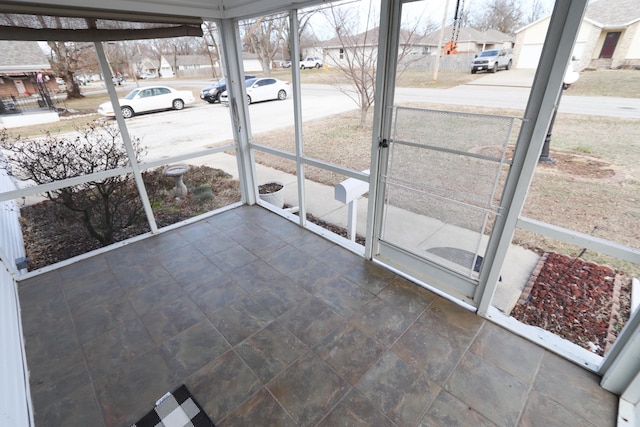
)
(353, 214)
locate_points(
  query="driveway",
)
(512, 78)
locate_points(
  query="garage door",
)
(529, 56)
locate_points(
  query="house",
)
(469, 40)
(196, 65)
(27, 85)
(609, 37)
(149, 68)
(20, 62)
(251, 63)
(419, 52)
(166, 70)
(336, 51)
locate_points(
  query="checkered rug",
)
(177, 409)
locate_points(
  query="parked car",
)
(311, 62)
(211, 94)
(8, 106)
(146, 99)
(263, 89)
(286, 64)
(492, 60)
(145, 76)
(62, 85)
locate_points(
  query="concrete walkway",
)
(320, 201)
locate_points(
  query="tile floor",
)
(270, 325)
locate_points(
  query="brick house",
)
(20, 63)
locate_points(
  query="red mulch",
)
(580, 301)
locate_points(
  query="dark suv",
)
(211, 94)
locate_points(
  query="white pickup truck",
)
(311, 62)
(492, 60)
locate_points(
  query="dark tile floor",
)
(271, 325)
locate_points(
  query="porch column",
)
(126, 139)
(238, 109)
(547, 84)
(294, 48)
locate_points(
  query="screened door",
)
(439, 183)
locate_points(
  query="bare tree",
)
(355, 53)
(264, 36)
(536, 11)
(164, 48)
(69, 58)
(210, 41)
(503, 15)
(305, 31)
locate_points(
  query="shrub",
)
(104, 205)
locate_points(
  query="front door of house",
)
(609, 45)
(19, 87)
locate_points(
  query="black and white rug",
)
(177, 409)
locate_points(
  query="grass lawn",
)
(619, 83)
(593, 190)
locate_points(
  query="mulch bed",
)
(52, 233)
(583, 302)
(340, 231)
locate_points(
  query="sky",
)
(437, 6)
(427, 9)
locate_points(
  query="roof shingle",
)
(22, 56)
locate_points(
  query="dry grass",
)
(619, 83)
(557, 195)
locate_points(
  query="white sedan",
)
(263, 89)
(150, 98)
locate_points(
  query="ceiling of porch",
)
(67, 20)
(176, 10)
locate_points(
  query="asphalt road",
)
(516, 98)
(202, 124)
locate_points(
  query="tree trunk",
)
(73, 89)
(266, 66)
(363, 117)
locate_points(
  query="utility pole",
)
(440, 40)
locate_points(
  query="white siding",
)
(14, 392)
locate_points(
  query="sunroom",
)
(270, 318)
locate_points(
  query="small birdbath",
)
(176, 172)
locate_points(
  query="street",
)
(202, 125)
